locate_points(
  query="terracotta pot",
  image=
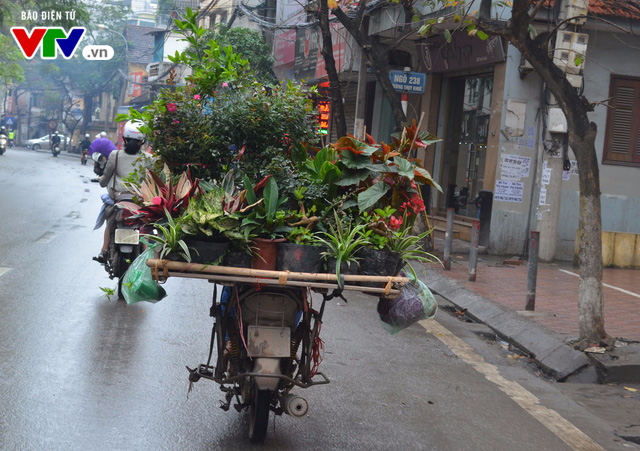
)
(265, 253)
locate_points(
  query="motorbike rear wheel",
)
(123, 265)
(259, 415)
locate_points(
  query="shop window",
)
(622, 134)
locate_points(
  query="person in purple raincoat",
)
(104, 147)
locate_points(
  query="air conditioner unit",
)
(155, 70)
(574, 8)
(570, 46)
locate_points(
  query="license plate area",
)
(266, 341)
(127, 236)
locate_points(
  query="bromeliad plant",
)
(156, 198)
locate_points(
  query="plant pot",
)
(298, 257)
(206, 251)
(377, 262)
(237, 259)
(265, 252)
(345, 267)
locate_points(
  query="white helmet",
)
(103, 134)
(131, 130)
(87, 135)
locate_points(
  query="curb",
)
(547, 348)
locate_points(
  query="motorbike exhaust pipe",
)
(294, 405)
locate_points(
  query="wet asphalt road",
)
(79, 371)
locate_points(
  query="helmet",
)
(87, 135)
(56, 132)
(103, 134)
(131, 130)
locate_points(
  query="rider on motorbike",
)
(55, 139)
(11, 136)
(84, 148)
(3, 139)
(120, 165)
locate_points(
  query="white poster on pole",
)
(509, 191)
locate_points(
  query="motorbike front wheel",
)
(259, 412)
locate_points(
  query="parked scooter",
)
(124, 244)
(267, 344)
(3, 143)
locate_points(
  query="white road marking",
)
(630, 293)
(4, 270)
(549, 418)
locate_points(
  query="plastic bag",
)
(415, 303)
(138, 284)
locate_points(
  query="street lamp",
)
(126, 44)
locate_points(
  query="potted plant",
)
(169, 241)
(376, 258)
(409, 248)
(342, 243)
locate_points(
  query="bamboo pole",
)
(387, 291)
(249, 272)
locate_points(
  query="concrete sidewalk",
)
(498, 299)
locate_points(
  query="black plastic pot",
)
(298, 258)
(206, 251)
(345, 267)
(237, 259)
(377, 262)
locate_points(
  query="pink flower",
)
(171, 107)
(225, 84)
(196, 97)
(395, 223)
(157, 200)
(176, 122)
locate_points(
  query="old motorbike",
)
(267, 341)
(124, 243)
(84, 156)
(55, 149)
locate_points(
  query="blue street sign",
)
(9, 121)
(411, 82)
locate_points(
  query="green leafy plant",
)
(265, 219)
(409, 247)
(170, 241)
(108, 292)
(342, 242)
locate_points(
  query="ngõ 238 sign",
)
(411, 82)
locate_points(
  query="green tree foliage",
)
(249, 44)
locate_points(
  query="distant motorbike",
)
(10, 143)
(55, 150)
(3, 143)
(84, 157)
(124, 244)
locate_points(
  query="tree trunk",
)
(378, 58)
(590, 294)
(337, 106)
(87, 113)
(582, 134)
